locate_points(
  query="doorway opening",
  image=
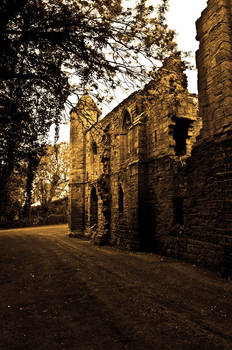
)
(93, 207)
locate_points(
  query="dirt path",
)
(58, 293)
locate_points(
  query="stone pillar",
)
(214, 63)
(82, 118)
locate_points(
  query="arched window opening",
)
(120, 199)
(94, 147)
(126, 121)
(93, 207)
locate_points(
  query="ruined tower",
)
(208, 214)
(82, 117)
(214, 64)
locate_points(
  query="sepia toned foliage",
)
(16, 195)
(51, 49)
(52, 176)
(39, 184)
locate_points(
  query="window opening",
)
(120, 199)
(93, 207)
(180, 135)
(178, 212)
(126, 122)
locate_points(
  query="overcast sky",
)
(181, 17)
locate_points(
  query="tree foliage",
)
(93, 40)
(16, 197)
(46, 43)
(48, 180)
(52, 176)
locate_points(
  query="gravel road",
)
(61, 293)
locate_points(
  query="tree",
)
(52, 176)
(16, 197)
(95, 39)
(44, 43)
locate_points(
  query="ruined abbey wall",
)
(156, 174)
(212, 198)
(125, 162)
(207, 195)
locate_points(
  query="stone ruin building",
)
(156, 173)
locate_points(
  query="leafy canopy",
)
(53, 48)
(94, 41)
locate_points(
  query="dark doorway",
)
(178, 212)
(120, 199)
(93, 207)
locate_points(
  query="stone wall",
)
(167, 104)
(209, 172)
(209, 209)
(114, 159)
(205, 181)
(151, 175)
(114, 172)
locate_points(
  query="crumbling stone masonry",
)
(116, 161)
(150, 175)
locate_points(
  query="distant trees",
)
(52, 176)
(16, 196)
(44, 44)
(46, 183)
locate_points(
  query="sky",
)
(181, 17)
